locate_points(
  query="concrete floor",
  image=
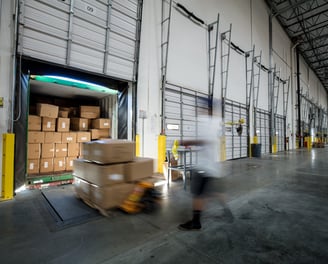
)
(279, 202)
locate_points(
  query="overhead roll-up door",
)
(182, 107)
(263, 129)
(236, 144)
(95, 35)
(280, 132)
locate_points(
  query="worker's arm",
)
(195, 142)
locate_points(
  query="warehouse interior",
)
(97, 96)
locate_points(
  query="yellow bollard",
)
(223, 148)
(8, 150)
(161, 152)
(309, 143)
(138, 145)
(274, 146)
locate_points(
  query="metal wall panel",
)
(95, 35)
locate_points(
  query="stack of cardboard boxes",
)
(108, 171)
(55, 135)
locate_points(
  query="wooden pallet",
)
(102, 211)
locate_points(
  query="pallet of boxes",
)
(55, 137)
(52, 147)
(107, 173)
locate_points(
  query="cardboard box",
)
(110, 196)
(48, 150)
(82, 188)
(73, 149)
(48, 124)
(60, 150)
(35, 137)
(59, 164)
(89, 112)
(109, 151)
(63, 113)
(52, 137)
(33, 166)
(46, 165)
(68, 137)
(79, 124)
(69, 163)
(100, 133)
(47, 110)
(100, 123)
(139, 168)
(63, 124)
(34, 123)
(83, 137)
(101, 175)
(33, 151)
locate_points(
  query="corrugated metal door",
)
(280, 132)
(263, 129)
(236, 145)
(182, 107)
(94, 35)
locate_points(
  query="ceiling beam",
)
(285, 9)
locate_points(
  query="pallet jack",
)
(144, 198)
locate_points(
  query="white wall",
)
(148, 95)
(6, 29)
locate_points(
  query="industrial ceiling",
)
(306, 23)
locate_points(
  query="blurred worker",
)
(206, 176)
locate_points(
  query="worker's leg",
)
(198, 183)
(220, 188)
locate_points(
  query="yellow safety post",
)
(223, 148)
(309, 143)
(138, 145)
(274, 146)
(8, 144)
(161, 152)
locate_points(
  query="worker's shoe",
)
(190, 226)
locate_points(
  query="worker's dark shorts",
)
(202, 184)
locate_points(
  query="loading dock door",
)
(182, 107)
(280, 132)
(95, 35)
(236, 145)
(263, 129)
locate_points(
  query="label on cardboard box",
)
(31, 166)
(115, 177)
(69, 137)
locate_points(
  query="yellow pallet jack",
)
(144, 198)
